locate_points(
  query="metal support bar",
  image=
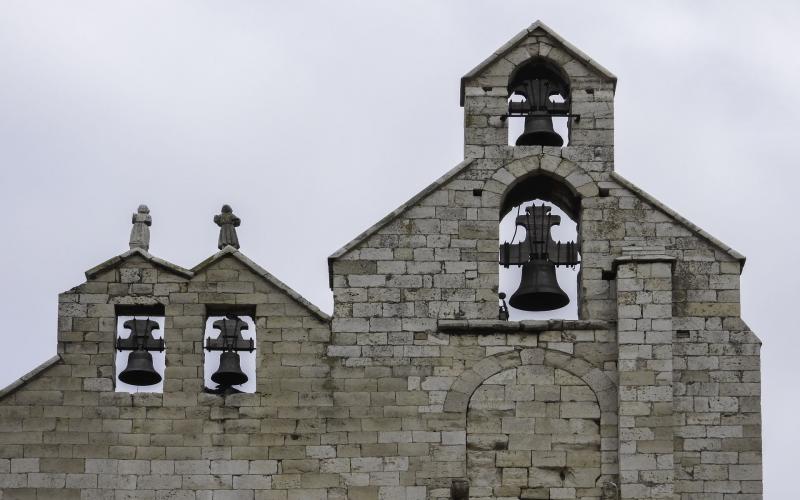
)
(577, 116)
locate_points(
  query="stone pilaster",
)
(644, 307)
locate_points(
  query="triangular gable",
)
(438, 183)
(647, 197)
(521, 36)
(263, 273)
(116, 261)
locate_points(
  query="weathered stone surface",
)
(140, 232)
(653, 393)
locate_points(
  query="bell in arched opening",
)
(546, 94)
(538, 255)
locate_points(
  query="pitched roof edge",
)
(502, 51)
(113, 261)
(269, 277)
(395, 213)
(17, 384)
(684, 221)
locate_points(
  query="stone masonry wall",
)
(435, 259)
(68, 435)
(414, 383)
(534, 430)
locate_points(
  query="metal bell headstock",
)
(140, 370)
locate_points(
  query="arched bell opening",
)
(539, 252)
(230, 360)
(538, 105)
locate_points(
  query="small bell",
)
(140, 369)
(230, 371)
(539, 131)
(538, 289)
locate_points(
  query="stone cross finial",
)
(227, 223)
(140, 232)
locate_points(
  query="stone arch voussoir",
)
(562, 170)
(458, 397)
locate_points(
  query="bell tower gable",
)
(487, 90)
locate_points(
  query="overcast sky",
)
(315, 119)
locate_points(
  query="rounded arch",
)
(605, 390)
(547, 177)
(537, 67)
(541, 186)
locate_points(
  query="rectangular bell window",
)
(140, 351)
(230, 360)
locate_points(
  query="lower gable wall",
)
(396, 413)
(353, 427)
(717, 401)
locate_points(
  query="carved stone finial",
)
(227, 223)
(140, 232)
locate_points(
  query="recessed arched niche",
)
(540, 248)
(533, 431)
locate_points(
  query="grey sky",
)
(315, 119)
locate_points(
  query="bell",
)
(140, 369)
(538, 289)
(539, 132)
(230, 370)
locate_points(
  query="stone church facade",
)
(414, 389)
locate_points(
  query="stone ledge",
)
(498, 326)
(643, 258)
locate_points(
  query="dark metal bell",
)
(539, 132)
(140, 369)
(538, 289)
(230, 370)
